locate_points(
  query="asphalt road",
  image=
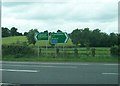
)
(59, 73)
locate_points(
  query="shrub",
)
(17, 50)
(115, 50)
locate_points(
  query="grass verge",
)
(62, 59)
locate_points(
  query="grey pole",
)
(38, 51)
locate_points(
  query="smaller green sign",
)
(41, 36)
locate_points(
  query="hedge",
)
(115, 50)
(17, 50)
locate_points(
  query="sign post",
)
(59, 38)
(42, 36)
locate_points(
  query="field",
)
(65, 54)
(11, 40)
(15, 39)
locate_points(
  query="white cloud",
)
(66, 15)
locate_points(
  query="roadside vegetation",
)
(84, 45)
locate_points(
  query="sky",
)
(65, 15)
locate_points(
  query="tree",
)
(31, 36)
(46, 31)
(13, 31)
(59, 31)
(25, 33)
(75, 36)
(113, 39)
(95, 38)
(5, 32)
(104, 40)
(85, 37)
(80, 36)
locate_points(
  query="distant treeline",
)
(94, 38)
(80, 37)
(10, 32)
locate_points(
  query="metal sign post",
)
(38, 51)
(47, 45)
(59, 38)
(42, 36)
(63, 49)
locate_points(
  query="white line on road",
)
(111, 64)
(6, 84)
(110, 73)
(43, 66)
(66, 67)
(13, 70)
(45, 63)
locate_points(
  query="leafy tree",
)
(5, 32)
(46, 31)
(115, 50)
(75, 36)
(25, 33)
(59, 31)
(104, 40)
(113, 39)
(95, 38)
(85, 37)
(80, 36)
(31, 36)
(13, 31)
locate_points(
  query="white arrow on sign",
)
(66, 38)
(36, 34)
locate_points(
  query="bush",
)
(115, 50)
(17, 50)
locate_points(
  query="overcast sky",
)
(65, 15)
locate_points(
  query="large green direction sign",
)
(41, 36)
(58, 37)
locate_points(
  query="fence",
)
(54, 51)
(71, 52)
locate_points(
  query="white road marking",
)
(43, 66)
(66, 67)
(13, 70)
(45, 63)
(29, 66)
(111, 64)
(110, 73)
(5, 84)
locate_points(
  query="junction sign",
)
(41, 36)
(59, 37)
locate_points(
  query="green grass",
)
(102, 54)
(15, 39)
(62, 59)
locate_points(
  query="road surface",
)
(59, 73)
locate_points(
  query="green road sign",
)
(41, 36)
(58, 37)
